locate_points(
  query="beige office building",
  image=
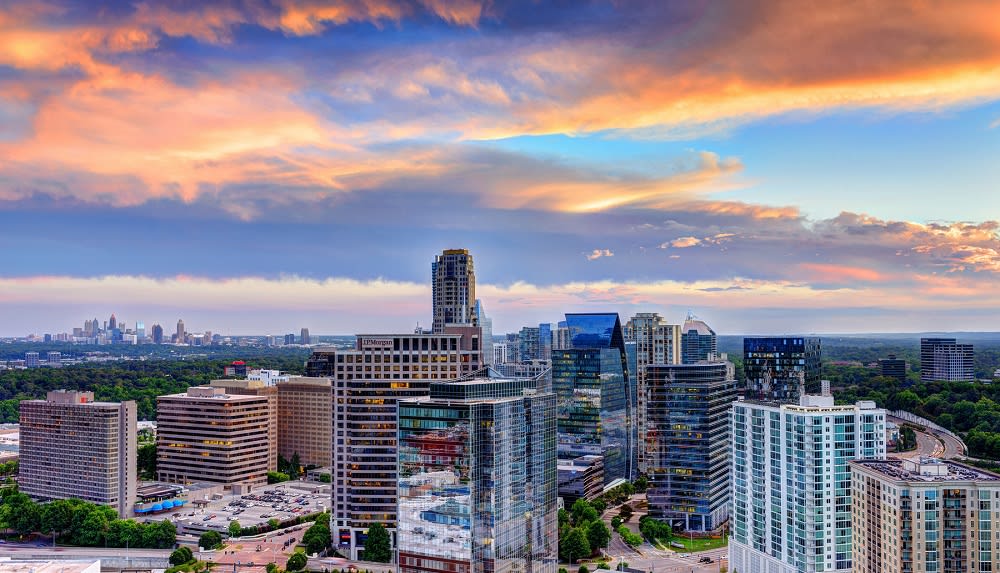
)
(305, 420)
(74, 447)
(258, 388)
(916, 516)
(209, 435)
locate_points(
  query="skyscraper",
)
(778, 368)
(477, 478)
(698, 340)
(656, 342)
(486, 323)
(453, 289)
(73, 447)
(181, 336)
(304, 337)
(368, 381)
(892, 367)
(944, 360)
(112, 322)
(140, 330)
(157, 332)
(595, 392)
(924, 515)
(31, 360)
(791, 484)
(688, 463)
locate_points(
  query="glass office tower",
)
(477, 479)
(595, 393)
(780, 369)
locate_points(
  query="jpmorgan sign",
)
(376, 343)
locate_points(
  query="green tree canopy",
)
(181, 555)
(210, 540)
(297, 562)
(378, 546)
(574, 545)
(598, 534)
(235, 528)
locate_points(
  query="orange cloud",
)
(841, 274)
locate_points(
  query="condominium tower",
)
(924, 515)
(305, 420)
(74, 447)
(944, 360)
(780, 368)
(477, 479)
(656, 342)
(207, 435)
(688, 425)
(453, 289)
(791, 483)
(368, 380)
(698, 340)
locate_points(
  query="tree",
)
(235, 528)
(641, 484)
(583, 512)
(297, 562)
(317, 538)
(273, 523)
(210, 540)
(56, 516)
(563, 517)
(95, 529)
(583, 569)
(615, 522)
(277, 477)
(181, 555)
(599, 505)
(160, 535)
(146, 461)
(378, 547)
(271, 568)
(125, 533)
(598, 535)
(295, 469)
(626, 512)
(574, 545)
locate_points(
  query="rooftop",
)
(930, 470)
(60, 566)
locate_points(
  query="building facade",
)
(945, 360)
(74, 447)
(892, 367)
(924, 515)
(208, 435)
(780, 368)
(656, 342)
(453, 289)
(368, 381)
(791, 483)
(258, 387)
(688, 425)
(698, 341)
(477, 479)
(595, 392)
(305, 420)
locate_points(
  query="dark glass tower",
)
(778, 368)
(688, 427)
(595, 393)
(698, 341)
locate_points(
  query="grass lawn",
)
(691, 545)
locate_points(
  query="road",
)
(22, 550)
(238, 556)
(930, 444)
(648, 558)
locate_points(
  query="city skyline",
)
(300, 163)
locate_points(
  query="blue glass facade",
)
(595, 393)
(776, 368)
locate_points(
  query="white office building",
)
(791, 485)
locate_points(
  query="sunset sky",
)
(260, 166)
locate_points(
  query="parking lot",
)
(282, 502)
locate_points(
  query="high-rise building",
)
(501, 353)
(595, 390)
(780, 368)
(74, 447)
(656, 342)
(31, 360)
(698, 340)
(207, 435)
(453, 289)
(368, 381)
(181, 336)
(157, 332)
(257, 387)
(477, 479)
(688, 466)
(305, 419)
(304, 336)
(54, 359)
(560, 337)
(529, 344)
(289, 339)
(892, 367)
(140, 330)
(924, 515)
(112, 322)
(791, 484)
(486, 323)
(945, 360)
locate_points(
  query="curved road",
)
(930, 444)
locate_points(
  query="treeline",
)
(141, 381)
(76, 522)
(16, 351)
(967, 408)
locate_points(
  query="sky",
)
(260, 166)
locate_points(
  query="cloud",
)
(598, 253)
(684, 242)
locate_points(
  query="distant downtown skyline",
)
(278, 164)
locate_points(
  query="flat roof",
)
(947, 471)
(50, 566)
